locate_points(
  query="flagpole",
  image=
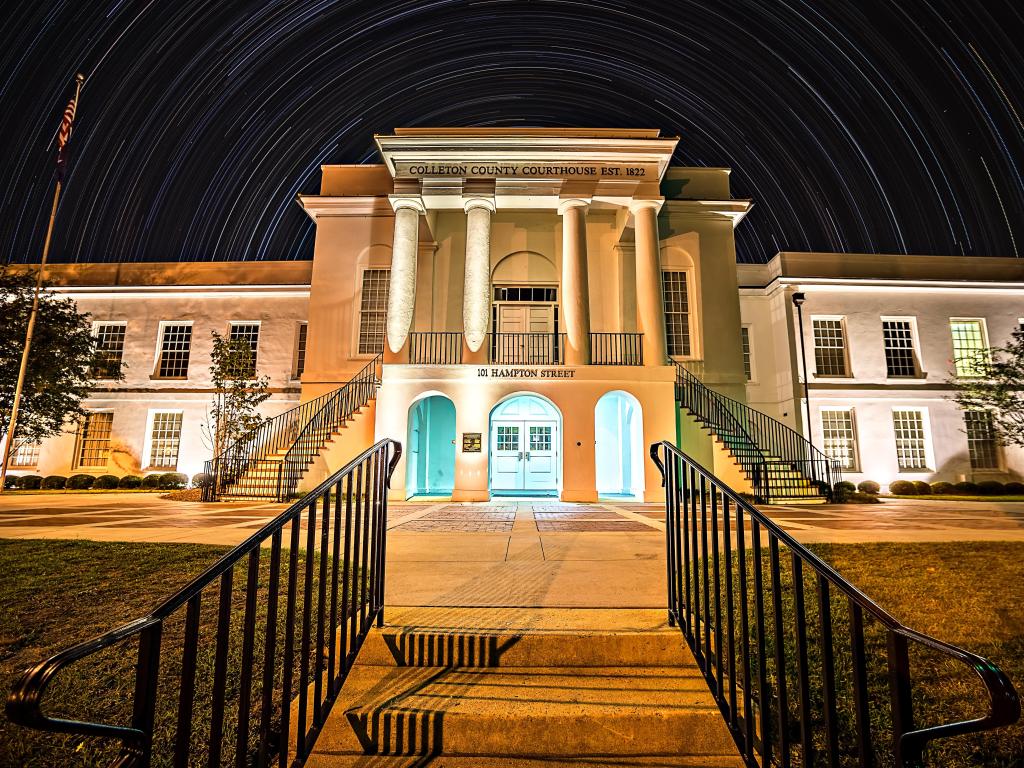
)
(12, 425)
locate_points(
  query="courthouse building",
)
(538, 306)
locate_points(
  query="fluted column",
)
(476, 295)
(650, 302)
(575, 282)
(404, 253)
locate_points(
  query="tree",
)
(998, 389)
(60, 361)
(238, 392)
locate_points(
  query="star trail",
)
(891, 127)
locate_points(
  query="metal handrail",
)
(706, 521)
(354, 525)
(706, 405)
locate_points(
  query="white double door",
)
(524, 455)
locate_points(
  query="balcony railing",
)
(527, 348)
(435, 348)
(616, 349)
(445, 348)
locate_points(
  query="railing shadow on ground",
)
(201, 686)
(806, 669)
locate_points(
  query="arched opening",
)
(430, 462)
(619, 446)
(525, 447)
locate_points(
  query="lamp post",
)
(798, 301)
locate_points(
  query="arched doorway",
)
(525, 447)
(619, 445)
(430, 463)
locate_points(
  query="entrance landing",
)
(537, 553)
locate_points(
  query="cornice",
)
(320, 205)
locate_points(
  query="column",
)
(575, 283)
(404, 253)
(650, 302)
(476, 295)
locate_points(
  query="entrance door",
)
(525, 333)
(523, 456)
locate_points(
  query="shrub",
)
(80, 482)
(30, 482)
(11, 481)
(1014, 489)
(105, 482)
(859, 497)
(151, 481)
(201, 480)
(173, 480)
(921, 488)
(942, 488)
(129, 481)
(991, 488)
(965, 489)
(54, 482)
(868, 486)
(845, 485)
(902, 488)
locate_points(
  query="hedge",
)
(105, 482)
(991, 488)
(173, 480)
(151, 481)
(868, 486)
(129, 481)
(921, 488)
(54, 482)
(902, 488)
(30, 482)
(80, 482)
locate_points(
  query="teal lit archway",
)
(430, 464)
(619, 446)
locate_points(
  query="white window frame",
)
(692, 319)
(160, 345)
(96, 324)
(750, 353)
(929, 452)
(915, 342)
(997, 450)
(848, 363)
(295, 374)
(147, 443)
(984, 340)
(851, 410)
(358, 307)
(259, 338)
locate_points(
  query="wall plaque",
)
(530, 170)
(471, 442)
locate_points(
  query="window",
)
(25, 455)
(175, 343)
(911, 450)
(508, 439)
(109, 350)
(900, 354)
(249, 332)
(829, 347)
(165, 440)
(300, 350)
(981, 440)
(677, 314)
(525, 293)
(93, 449)
(540, 438)
(969, 346)
(745, 342)
(840, 439)
(373, 308)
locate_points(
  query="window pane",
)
(910, 442)
(981, 440)
(829, 348)
(677, 314)
(840, 440)
(900, 359)
(540, 438)
(109, 350)
(165, 440)
(249, 332)
(300, 351)
(968, 346)
(508, 439)
(94, 440)
(25, 455)
(373, 310)
(174, 351)
(745, 340)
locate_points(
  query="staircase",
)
(780, 465)
(269, 463)
(430, 690)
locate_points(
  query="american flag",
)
(63, 134)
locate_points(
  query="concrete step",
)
(538, 712)
(345, 760)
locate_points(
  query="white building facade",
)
(528, 301)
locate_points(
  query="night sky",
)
(860, 126)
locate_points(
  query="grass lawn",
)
(950, 497)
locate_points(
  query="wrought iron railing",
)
(435, 348)
(332, 588)
(616, 348)
(796, 663)
(252, 466)
(339, 408)
(527, 348)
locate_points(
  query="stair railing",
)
(796, 657)
(310, 586)
(706, 405)
(338, 408)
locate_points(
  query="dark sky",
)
(855, 126)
